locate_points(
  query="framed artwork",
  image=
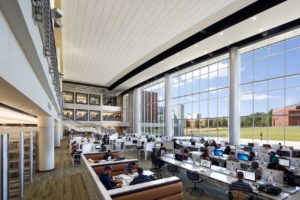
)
(94, 99)
(69, 113)
(81, 115)
(94, 115)
(81, 98)
(68, 97)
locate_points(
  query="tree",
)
(187, 124)
(197, 123)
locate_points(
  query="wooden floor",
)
(66, 182)
(63, 183)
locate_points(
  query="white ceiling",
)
(105, 39)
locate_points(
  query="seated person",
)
(106, 179)
(157, 154)
(232, 157)
(74, 147)
(205, 156)
(240, 185)
(141, 178)
(227, 150)
(251, 156)
(255, 168)
(185, 154)
(129, 169)
(202, 141)
(275, 159)
(103, 147)
(108, 155)
(141, 146)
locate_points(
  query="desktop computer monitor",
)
(284, 162)
(243, 156)
(296, 154)
(177, 151)
(250, 176)
(97, 147)
(193, 143)
(248, 148)
(134, 141)
(218, 152)
(284, 153)
(232, 147)
(202, 149)
(267, 146)
(205, 163)
(250, 144)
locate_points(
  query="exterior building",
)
(289, 116)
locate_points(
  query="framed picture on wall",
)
(69, 113)
(94, 115)
(81, 98)
(68, 97)
(81, 115)
(94, 99)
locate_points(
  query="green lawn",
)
(270, 133)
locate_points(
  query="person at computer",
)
(130, 168)
(205, 156)
(227, 150)
(254, 167)
(161, 151)
(107, 180)
(251, 156)
(185, 154)
(141, 146)
(74, 147)
(108, 155)
(240, 185)
(202, 141)
(141, 178)
(232, 157)
(103, 147)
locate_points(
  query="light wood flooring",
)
(66, 182)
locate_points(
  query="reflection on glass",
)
(94, 99)
(94, 115)
(81, 98)
(68, 113)
(68, 97)
(81, 115)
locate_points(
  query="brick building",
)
(289, 116)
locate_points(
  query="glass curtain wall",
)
(200, 101)
(153, 108)
(270, 93)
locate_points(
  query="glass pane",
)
(189, 75)
(204, 70)
(182, 77)
(213, 108)
(246, 72)
(276, 48)
(222, 128)
(213, 67)
(203, 95)
(260, 53)
(261, 69)
(246, 89)
(276, 65)
(260, 129)
(292, 96)
(203, 109)
(223, 64)
(292, 81)
(223, 107)
(276, 84)
(213, 94)
(213, 80)
(196, 84)
(247, 57)
(196, 110)
(246, 127)
(188, 111)
(223, 93)
(196, 73)
(260, 86)
(182, 88)
(292, 43)
(293, 62)
(276, 100)
(175, 90)
(223, 78)
(292, 134)
(196, 98)
(204, 83)
(260, 103)
(189, 86)
(246, 105)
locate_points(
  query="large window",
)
(270, 93)
(111, 100)
(200, 101)
(153, 108)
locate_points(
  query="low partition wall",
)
(166, 188)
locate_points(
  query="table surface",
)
(224, 176)
(127, 178)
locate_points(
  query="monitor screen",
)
(177, 151)
(218, 152)
(284, 162)
(232, 147)
(193, 143)
(134, 141)
(205, 163)
(248, 148)
(250, 176)
(202, 149)
(243, 156)
(97, 147)
(267, 146)
(250, 144)
(284, 153)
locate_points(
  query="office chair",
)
(155, 164)
(195, 177)
(173, 169)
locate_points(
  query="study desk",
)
(223, 176)
(113, 161)
(127, 178)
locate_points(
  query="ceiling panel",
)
(105, 39)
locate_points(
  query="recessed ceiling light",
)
(229, 42)
(221, 33)
(162, 62)
(196, 45)
(150, 68)
(261, 29)
(254, 18)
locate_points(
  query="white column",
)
(46, 143)
(57, 136)
(169, 132)
(234, 97)
(137, 110)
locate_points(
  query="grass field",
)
(269, 133)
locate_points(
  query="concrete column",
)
(169, 131)
(234, 96)
(45, 143)
(137, 110)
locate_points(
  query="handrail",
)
(42, 15)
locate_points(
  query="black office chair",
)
(155, 164)
(173, 169)
(195, 177)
